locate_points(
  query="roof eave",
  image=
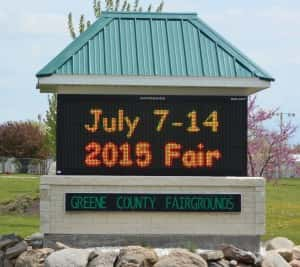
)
(235, 86)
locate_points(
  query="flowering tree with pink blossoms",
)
(269, 152)
(297, 149)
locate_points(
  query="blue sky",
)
(33, 32)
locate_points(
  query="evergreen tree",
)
(110, 5)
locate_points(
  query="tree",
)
(50, 125)
(24, 141)
(268, 150)
(297, 149)
(110, 5)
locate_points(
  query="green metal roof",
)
(152, 44)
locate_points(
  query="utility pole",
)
(281, 116)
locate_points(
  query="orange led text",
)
(111, 155)
(198, 158)
(119, 123)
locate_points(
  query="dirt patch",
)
(23, 205)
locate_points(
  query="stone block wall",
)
(249, 223)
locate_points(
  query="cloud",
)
(33, 24)
(279, 15)
(269, 35)
(43, 24)
(1, 14)
(285, 18)
(4, 20)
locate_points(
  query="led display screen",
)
(153, 202)
(151, 135)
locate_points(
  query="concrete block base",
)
(162, 229)
(250, 243)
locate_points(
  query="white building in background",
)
(289, 171)
(292, 172)
(297, 158)
(8, 165)
(35, 166)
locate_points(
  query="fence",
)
(25, 165)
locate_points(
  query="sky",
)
(34, 31)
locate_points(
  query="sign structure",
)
(152, 135)
(153, 202)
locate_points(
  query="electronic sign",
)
(152, 135)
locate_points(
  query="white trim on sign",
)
(150, 85)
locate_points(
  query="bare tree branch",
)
(81, 24)
(136, 5)
(117, 5)
(97, 8)
(124, 5)
(160, 7)
(70, 26)
(110, 5)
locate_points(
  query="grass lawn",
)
(18, 175)
(12, 187)
(21, 225)
(283, 210)
(283, 207)
(18, 185)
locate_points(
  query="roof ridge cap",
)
(116, 14)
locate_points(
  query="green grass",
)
(12, 188)
(18, 185)
(21, 225)
(283, 207)
(19, 175)
(283, 210)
